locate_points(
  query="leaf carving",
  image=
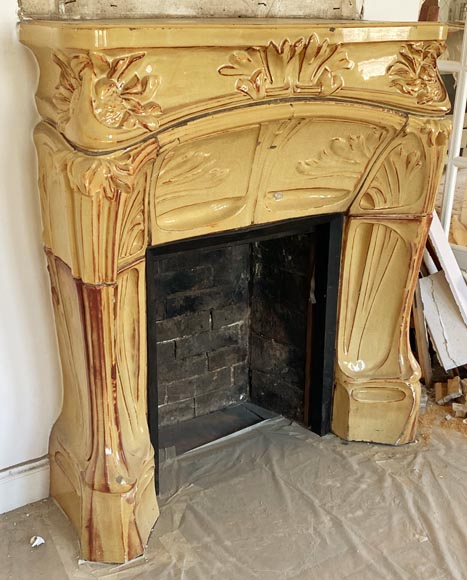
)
(393, 180)
(120, 98)
(111, 192)
(344, 156)
(188, 171)
(289, 67)
(415, 74)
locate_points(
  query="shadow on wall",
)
(30, 383)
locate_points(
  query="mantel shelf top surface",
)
(183, 32)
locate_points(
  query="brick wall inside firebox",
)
(202, 302)
(279, 295)
(231, 326)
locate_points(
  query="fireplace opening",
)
(241, 326)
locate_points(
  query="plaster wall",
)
(30, 385)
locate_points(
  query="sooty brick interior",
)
(231, 325)
(202, 304)
(279, 296)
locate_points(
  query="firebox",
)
(195, 137)
(244, 316)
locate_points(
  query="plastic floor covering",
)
(275, 502)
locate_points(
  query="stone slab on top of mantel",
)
(88, 9)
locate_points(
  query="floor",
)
(182, 437)
(275, 502)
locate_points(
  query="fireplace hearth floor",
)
(187, 435)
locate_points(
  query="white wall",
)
(30, 386)
(402, 10)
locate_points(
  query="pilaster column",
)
(377, 389)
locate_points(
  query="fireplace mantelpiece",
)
(154, 131)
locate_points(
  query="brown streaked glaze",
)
(154, 131)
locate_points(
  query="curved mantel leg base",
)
(376, 411)
(111, 527)
(377, 391)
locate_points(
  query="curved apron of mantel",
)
(196, 128)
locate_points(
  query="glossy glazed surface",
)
(155, 131)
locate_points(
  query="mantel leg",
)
(377, 391)
(102, 463)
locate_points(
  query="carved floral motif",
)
(104, 195)
(291, 67)
(120, 97)
(415, 74)
(437, 132)
(409, 173)
(116, 211)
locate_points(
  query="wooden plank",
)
(460, 410)
(440, 393)
(450, 266)
(454, 387)
(445, 324)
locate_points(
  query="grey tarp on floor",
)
(277, 502)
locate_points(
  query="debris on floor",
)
(36, 541)
(445, 392)
(440, 328)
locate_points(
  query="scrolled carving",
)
(415, 74)
(120, 98)
(393, 180)
(436, 132)
(194, 168)
(354, 151)
(308, 66)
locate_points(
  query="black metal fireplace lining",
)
(327, 230)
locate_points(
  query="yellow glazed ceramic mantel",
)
(214, 65)
(158, 130)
